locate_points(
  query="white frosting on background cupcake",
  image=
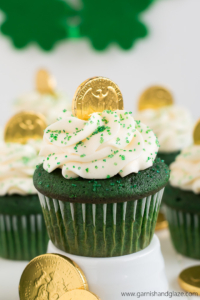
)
(172, 125)
(49, 105)
(185, 171)
(17, 165)
(108, 143)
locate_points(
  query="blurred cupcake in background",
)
(44, 99)
(172, 124)
(182, 199)
(23, 233)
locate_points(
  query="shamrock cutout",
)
(41, 21)
(109, 21)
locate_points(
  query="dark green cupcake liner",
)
(101, 230)
(185, 232)
(22, 237)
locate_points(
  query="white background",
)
(169, 56)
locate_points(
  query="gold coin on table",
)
(161, 222)
(155, 97)
(50, 276)
(24, 126)
(196, 133)
(79, 295)
(95, 95)
(45, 83)
(189, 279)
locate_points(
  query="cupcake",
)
(22, 228)
(182, 200)
(45, 99)
(172, 124)
(100, 185)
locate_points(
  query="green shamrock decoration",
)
(45, 22)
(41, 21)
(113, 21)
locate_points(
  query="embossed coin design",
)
(79, 295)
(50, 276)
(161, 222)
(45, 83)
(155, 97)
(24, 126)
(196, 133)
(95, 95)
(189, 279)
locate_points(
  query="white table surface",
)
(11, 271)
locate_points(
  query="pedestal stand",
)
(113, 278)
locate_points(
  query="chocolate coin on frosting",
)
(96, 95)
(155, 97)
(79, 295)
(45, 83)
(196, 133)
(24, 126)
(50, 276)
(189, 279)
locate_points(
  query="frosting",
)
(172, 125)
(107, 144)
(49, 105)
(17, 165)
(185, 171)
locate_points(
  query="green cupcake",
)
(172, 124)
(99, 187)
(23, 233)
(182, 199)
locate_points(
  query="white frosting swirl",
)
(107, 144)
(17, 165)
(172, 125)
(185, 171)
(49, 105)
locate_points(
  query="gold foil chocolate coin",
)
(79, 295)
(161, 222)
(50, 276)
(189, 279)
(45, 83)
(196, 133)
(95, 95)
(155, 97)
(24, 126)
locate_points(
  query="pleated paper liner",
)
(185, 232)
(101, 230)
(22, 237)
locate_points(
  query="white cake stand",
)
(137, 273)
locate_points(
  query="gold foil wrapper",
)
(161, 222)
(50, 276)
(45, 82)
(24, 126)
(155, 97)
(96, 95)
(196, 133)
(189, 280)
(79, 295)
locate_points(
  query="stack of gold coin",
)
(52, 276)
